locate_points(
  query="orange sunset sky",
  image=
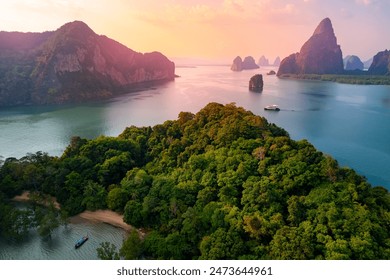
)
(212, 29)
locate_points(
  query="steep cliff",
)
(380, 64)
(72, 64)
(319, 55)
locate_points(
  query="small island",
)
(256, 83)
(247, 64)
(320, 58)
(219, 184)
(272, 72)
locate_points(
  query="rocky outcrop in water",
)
(237, 64)
(272, 72)
(319, 55)
(72, 64)
(380, 64)
(353, 62)
(263, 61)
(247, 64)
(277, 61)
(256, 83)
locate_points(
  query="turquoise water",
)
(349, 122)
(61, 245)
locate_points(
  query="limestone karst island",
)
(71, 65)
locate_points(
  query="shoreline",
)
(25, 197)
(101, 216)
(345, 78)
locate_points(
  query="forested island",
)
(73, 64)
(219, 184)
(349, 77)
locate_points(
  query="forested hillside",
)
(220, 184)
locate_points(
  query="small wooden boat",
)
(272, 108)
(81, 241)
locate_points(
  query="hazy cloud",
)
(212, 27)
(280, 12)
(364, 2)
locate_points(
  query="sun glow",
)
(211, 29)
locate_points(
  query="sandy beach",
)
(25, 196)
(101, 216)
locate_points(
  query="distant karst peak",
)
(319, 55)
(325, 26)
(380, 64)
(246, 64)
(76, 26)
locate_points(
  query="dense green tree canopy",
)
(219, 184)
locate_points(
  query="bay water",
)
(61, 244)
(349, 122)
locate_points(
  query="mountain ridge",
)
(72, 64)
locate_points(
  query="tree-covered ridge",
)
(356, 77)
(220, 184)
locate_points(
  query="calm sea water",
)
(61, 245)
(349, 122)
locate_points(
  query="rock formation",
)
(380, 64)
(256, 83)
(345, 59)
(72, 64)
(353, 62)
(289, 65)
(368, 63)
(263, 61)
(319, 55)
(272, 72)
(237, 64)
(277, 61)
(249, 63)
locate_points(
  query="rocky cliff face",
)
(380, 64)
(72, 64)
(319, 55)
(353, 62)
